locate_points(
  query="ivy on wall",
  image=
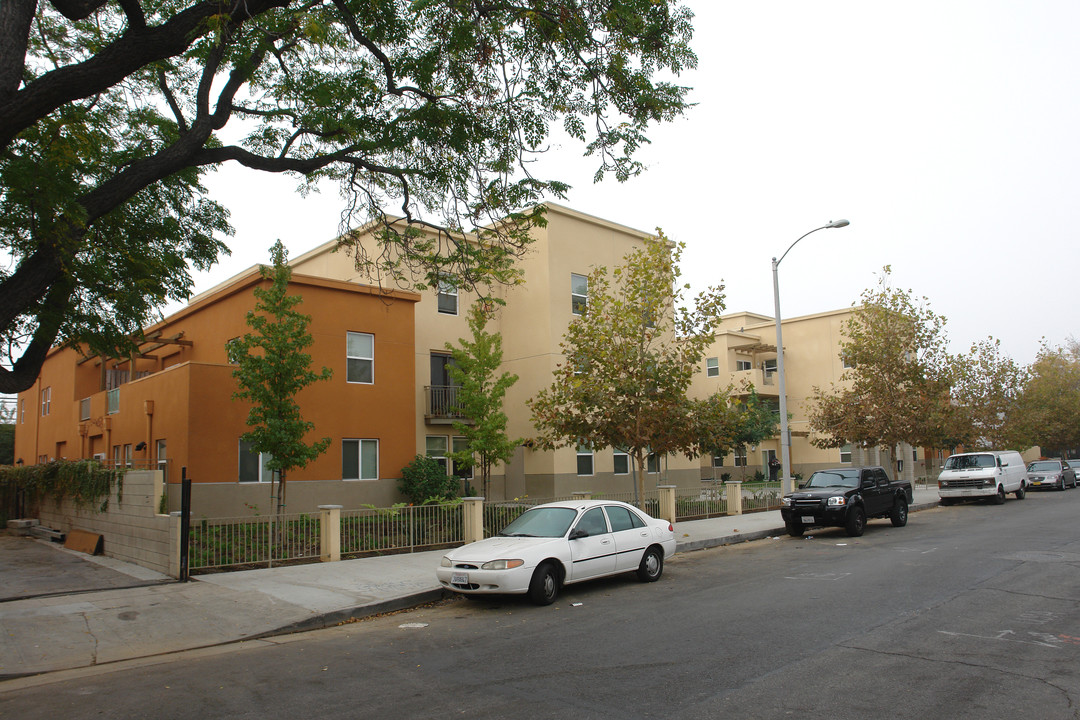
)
(87, 483)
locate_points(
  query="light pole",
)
(786, 484)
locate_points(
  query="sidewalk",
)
(83, 629)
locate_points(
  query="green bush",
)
(424, 480)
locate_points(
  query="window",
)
(127, 455)
(740, 458)
(653, 463)
(769, 366)
(849, 363)
(117, 456)
(718, 461)
(593, 522)
(584, 460)
(22, 410)
(914, 454)
(579, 293)
(448, 298)
(463, 470)
(622, 463)
(162, 460)
(436, 449)
(359, 459)
(46, 400)
(84, 409)
(253, 465)
(741, 365)
(360, 354)
(845, 453)
(621, 518)
(112, 401)
(712, 367)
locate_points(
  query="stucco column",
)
(667, 502)
(330, 533)
(733, 492)
(473, 507)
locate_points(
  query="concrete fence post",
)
(734, 497)
(174, 544)
(330, 533)
(667, 502)
(473, 507)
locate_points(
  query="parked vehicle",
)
(846, 497)
(557, 544)
(1051, 474)
(991, 474)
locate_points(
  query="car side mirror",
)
(868, 483)
(578, 533)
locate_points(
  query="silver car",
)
(1055, 474)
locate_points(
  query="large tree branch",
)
(50, 316)
(15, 19)
(135, 49)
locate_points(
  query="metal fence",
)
(761, 496)
(404, 528)
(254, 540)
(698, 503)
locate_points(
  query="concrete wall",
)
(132, 529)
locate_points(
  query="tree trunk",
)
(640, 460)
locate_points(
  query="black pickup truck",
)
(846, 497)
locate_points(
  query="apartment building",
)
(170, 405)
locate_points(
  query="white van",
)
(983, 474)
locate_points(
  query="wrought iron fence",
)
(253, 540)
(761, 496)
(700, 502)
(401, 528)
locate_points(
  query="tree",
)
(271, 368)
(480, 397)
(735, 423)
(986, 388)
(628, 362)
(1048, 412)
(898, 389)
(111, 113)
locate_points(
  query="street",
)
(968, 612)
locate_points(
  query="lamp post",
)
(786, 484)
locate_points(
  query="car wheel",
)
(1021, 492)
(999, 499)
(795, 529)
(899, 513)
(544, 587)
(947, 501)
(1061, 484)
(856, 521)
(652, 565)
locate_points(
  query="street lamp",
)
(786, 485)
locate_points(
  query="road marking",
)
(818, 576)
(1001, 637)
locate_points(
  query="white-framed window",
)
(359, 459)
(622, 462)
(162, 460)
(84, 409)
(46, 400)
(712, 367)
(584, 460)
(436, 447)
(741, 365)
(845, 453)
(127, 455)
(769, 366)
(718, 461)
(740, 458)
(252, 466)
(463, 470)
(579, 293)
(849, 363)
(652, 465)
(22, 410)
(448, 298)
(112, 401)
(360, 358)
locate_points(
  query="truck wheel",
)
(999, 499)
(947, 501)
(1021, 492)
(795, 529)
(899, 513)
(856, 521)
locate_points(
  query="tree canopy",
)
(111, 114)
(1048, 411)
(986, 389)
(898, 389)
(628, 362)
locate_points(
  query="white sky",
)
(946, 131)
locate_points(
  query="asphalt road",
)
(968, 612)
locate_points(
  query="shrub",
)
(424, 480)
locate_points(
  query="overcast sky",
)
(947, 132)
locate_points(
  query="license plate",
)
(807, 519)
(459, 579)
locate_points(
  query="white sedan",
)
(557, 544)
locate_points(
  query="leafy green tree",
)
(480, 395)
(986, 389)
(271, 368)
(628, 362)
(898, 390)
(1048, 411)
(424, 479)
(111, 113)
(735, 423)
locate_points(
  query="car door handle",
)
(605, 541)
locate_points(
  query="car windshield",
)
(969, 462)
(1045, 466)
(541, 522)
(833, 478)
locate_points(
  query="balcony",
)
(764, 381)
(441, 405)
